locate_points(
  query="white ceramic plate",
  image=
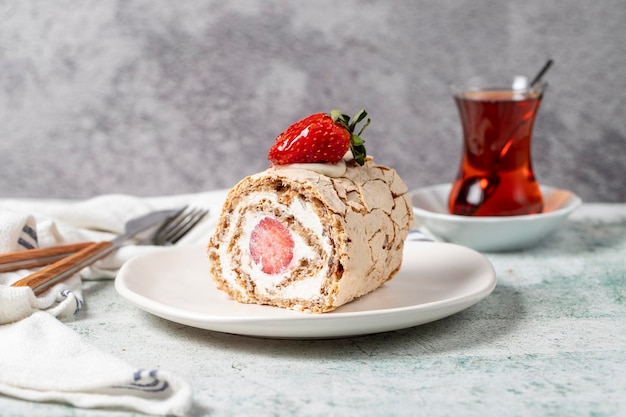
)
(435, 281)
(491, 233)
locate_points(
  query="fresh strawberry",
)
(271, 246)
(320, 137)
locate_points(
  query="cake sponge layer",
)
(347, 236)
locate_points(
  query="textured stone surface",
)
(158, 97)
(548, 341)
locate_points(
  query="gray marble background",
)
(165, 97)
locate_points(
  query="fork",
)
(170, 232)
(174, 230)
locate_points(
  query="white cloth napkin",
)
(421, 234)
(41, 359)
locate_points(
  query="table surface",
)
(549, 340)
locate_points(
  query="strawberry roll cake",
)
(321, 227)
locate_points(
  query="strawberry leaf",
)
(362, 114)
(357, 144)
(335, 114)
(364, 127)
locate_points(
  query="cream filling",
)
(330, 170)
(266, 284)
(335, 170)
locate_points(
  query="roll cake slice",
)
(298, 239)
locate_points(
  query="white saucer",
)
(175, 284)
(491, 234)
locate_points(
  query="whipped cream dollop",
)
(334, 170)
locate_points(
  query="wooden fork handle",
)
(31, 258)
(59, 271)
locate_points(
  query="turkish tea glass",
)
(495, 176)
